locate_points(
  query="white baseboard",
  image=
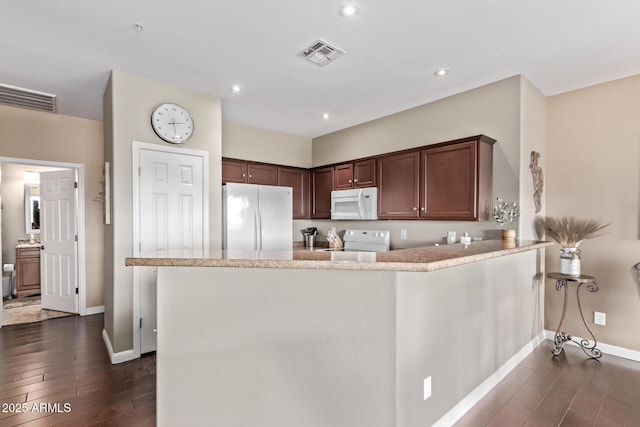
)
(94, 310)
(121, 356)
(487, 385)
(605, 348)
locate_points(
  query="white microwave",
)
(356, 204)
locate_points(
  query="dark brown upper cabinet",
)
(262, 174)
(298, 179)
(234, 171)
(447, 181)
(398, 185)
(358, 174)
(321, 187)
(456, 180)
(245, 172)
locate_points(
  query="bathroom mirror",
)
(32, 208)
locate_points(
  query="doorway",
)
(170, 218)
(21, 244)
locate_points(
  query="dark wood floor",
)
(63, 364)
(567, 390)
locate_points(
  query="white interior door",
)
(172, 221)
(58, 238)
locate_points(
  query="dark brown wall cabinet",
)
(361, 173)
(298, 179)
(398, 185)
(447, 181)
(234, 171)
(248, 172)
(321, 187)
(27, 271)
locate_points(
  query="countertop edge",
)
(312, 264)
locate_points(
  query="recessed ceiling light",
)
(236, 88)
(138, 27)
(441, 72)
(325, 116)
(349, 9)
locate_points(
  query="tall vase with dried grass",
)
(506, 215)
(569, 232)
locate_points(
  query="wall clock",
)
(172, 123)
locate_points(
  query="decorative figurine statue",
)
(538, 181)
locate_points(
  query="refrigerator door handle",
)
(259, 229)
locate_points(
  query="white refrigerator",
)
(257, 217)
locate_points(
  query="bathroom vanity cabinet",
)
(27, 271)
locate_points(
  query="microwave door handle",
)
(361, 204)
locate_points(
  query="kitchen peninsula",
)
(320, 338)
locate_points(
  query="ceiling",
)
(68, 47)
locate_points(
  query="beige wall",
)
(35, 135)
(533, 137)
(493, 110)
(129, 101)
(592, 171)
(259, 145)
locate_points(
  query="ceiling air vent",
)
(25, 98)
(321, 53)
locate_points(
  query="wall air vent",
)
(25, 98)
(321, 53)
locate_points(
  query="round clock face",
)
(172, 123)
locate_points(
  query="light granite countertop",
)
(28, 245)
(422, 259)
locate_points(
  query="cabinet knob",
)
(355, 180)
(244, 175)
(422, 209)
(249, 175)
(350, 181)
(415, 209)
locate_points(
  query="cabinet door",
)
(234, 171)
(343, 175)
(298, 179)
(398, 178)
(262, 174)
(321, 187)
(364, 173)
(27, 271)
(449, 182)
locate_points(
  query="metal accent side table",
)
(561, 337)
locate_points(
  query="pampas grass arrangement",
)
(569, 232)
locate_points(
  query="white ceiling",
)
(68, 47)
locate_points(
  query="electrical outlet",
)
(403, 234)
(600, 318)
(427, 387)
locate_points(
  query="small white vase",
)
(570, 261)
